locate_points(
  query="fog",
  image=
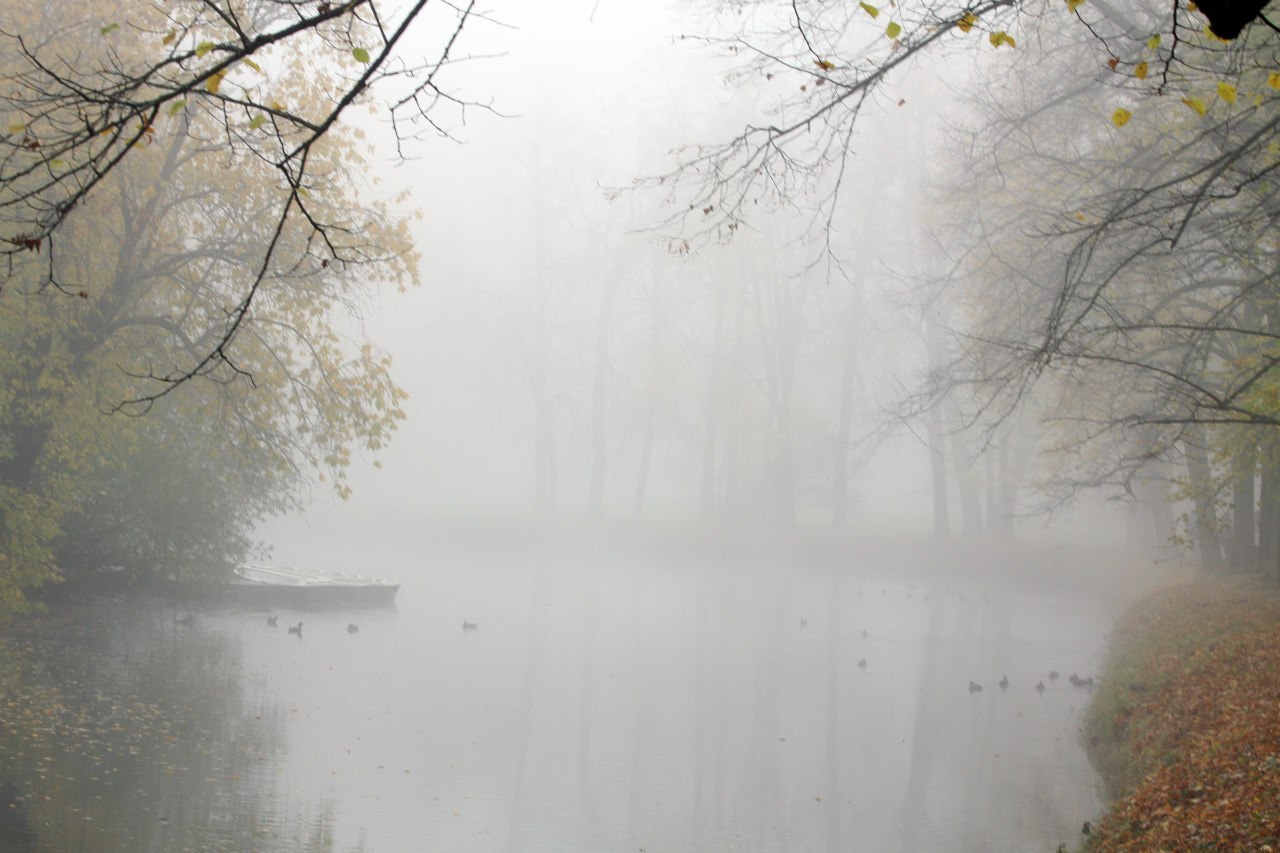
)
(559, 323)
(672, 671)
(664, 517)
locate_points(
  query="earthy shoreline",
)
(1185, 728)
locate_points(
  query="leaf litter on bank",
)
(1187, 726)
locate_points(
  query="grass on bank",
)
(1185, 727)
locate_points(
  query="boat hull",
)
(315, 597)
(286, 586)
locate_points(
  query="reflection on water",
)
(598, 704)
(123, 730)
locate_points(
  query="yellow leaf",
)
(1153, 42)
(204, 47)
(870, 10)
(1140, 71)
(825, 65)
(893, 30)
(966, 23)
(1121, 117)
(170, 36)
(1001, 37)
(1195, 104)
(17, 128)
(1072, 5)
(258, 120)
(1192, 7)
(1274, 80)
(211, 85)
(255, 66)
(1227, 92)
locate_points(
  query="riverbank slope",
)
(1185, 727)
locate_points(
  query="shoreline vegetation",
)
(1185, 726)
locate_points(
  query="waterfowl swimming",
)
(975, 687)
(296, 629)
(352, 628)
(468, 626)
(271, 620)
(1039, 686)
(864, 632)
(1004, 682)
(187, 620)
(1053, 675)
(862, 664)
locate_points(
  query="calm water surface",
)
(603, 703)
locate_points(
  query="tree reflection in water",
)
(123, 730)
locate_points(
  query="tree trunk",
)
(938, 466)
(1242, 550)
(599, 390)
(1269, 511)
(844, 426)
(732, 378)
(935, 345)
(967, 484)
(651, 406)
(715, 392)
(1195, 451)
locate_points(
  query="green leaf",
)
(258, 121)
(109, 28)
(1227, 92)
(214, 82)
(870, 10)
(255, 66)
(1001, 37)
(1154, 42)
(893, 30)
(360, 54)
(204, 47)
(177, 106)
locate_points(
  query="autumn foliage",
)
(1186, 728)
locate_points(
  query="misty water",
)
(684, 697)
